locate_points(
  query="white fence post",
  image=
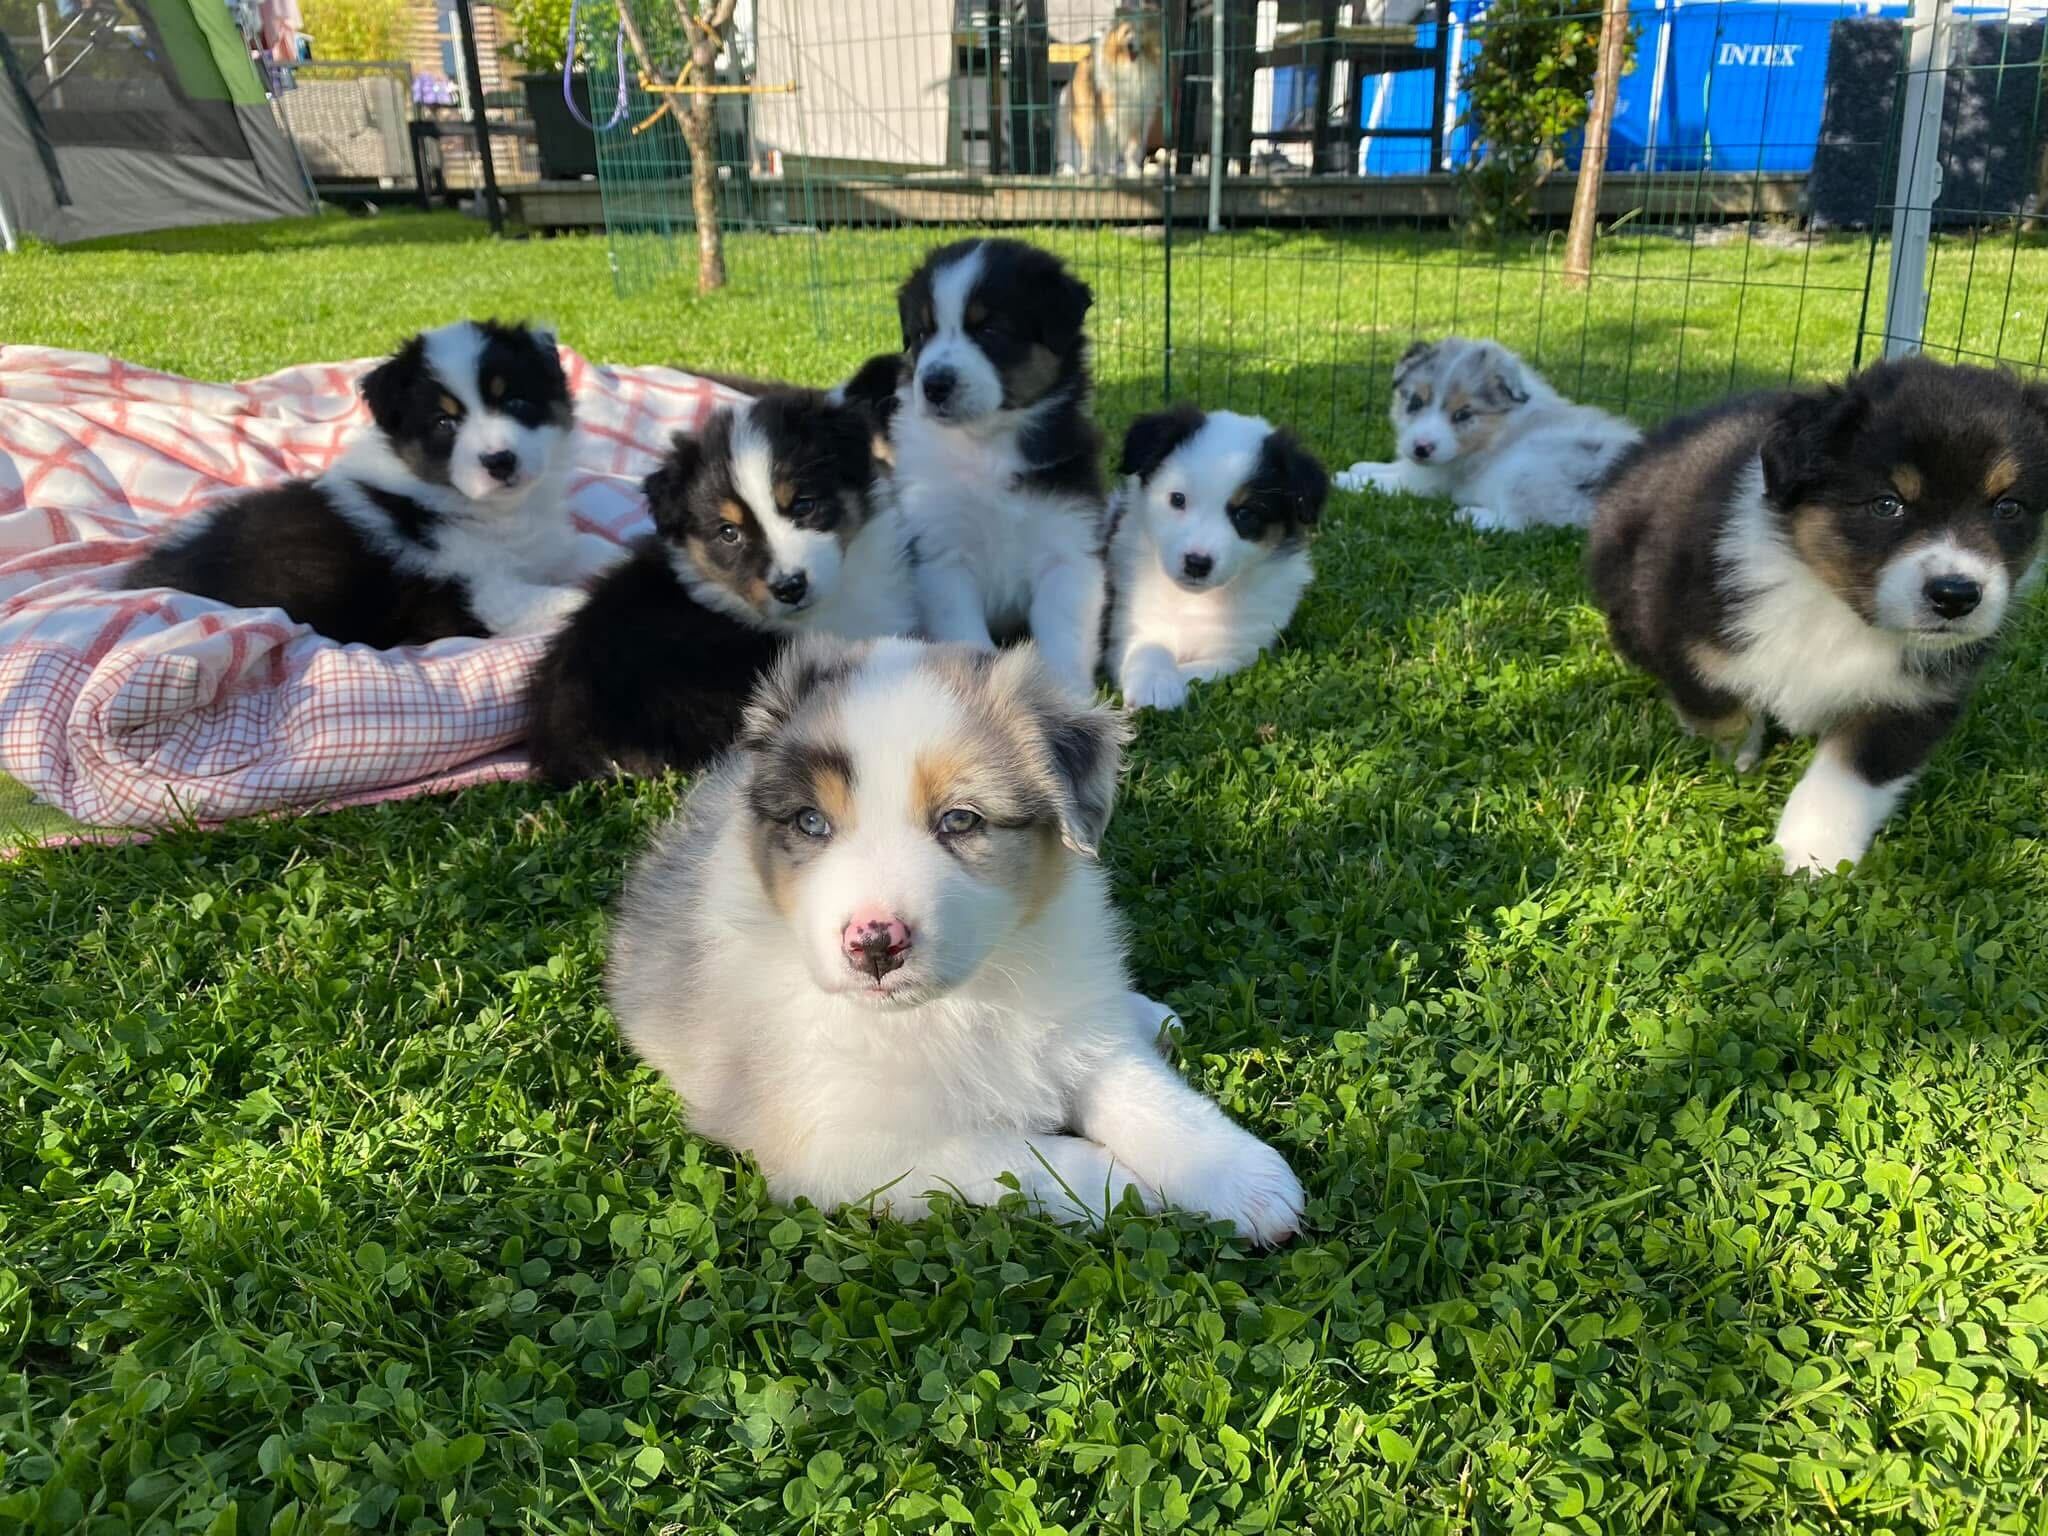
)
(1919, 178)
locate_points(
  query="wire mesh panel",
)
(1272, 198)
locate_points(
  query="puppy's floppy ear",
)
(1802, 434)
(386, 387)
(1151, 438)
(1062, 302)
(843, 433)
(2035, 395)
(1507, 380)
(1418, 353)
(1079, 743)
(668, 488)
(874, 383)
(1302, 475)
(807, 663)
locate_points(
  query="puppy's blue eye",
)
(1414, 405)
(1461, 417)
(1178, 501)
(1887, 507)
(959, 820)
(812, 823)
(2007, 509)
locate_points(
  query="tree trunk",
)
(700, 133)
(1578, 245)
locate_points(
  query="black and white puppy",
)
(775, 520)
(1209, 551)
(445, 516)
(996, 457)
(1839, 562)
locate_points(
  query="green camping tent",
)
(124, 115)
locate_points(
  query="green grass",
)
(1649, 1191)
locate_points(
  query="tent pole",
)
(477, 119)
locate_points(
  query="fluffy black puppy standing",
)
(775, 520)
(1839, 562)
(445, 516)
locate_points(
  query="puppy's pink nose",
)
(875, 942)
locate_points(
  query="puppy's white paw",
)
(1152, 1018)
(1363, 476)
(1486, 520)
(1155, 689)
(1245, 1182)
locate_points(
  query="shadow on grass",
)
(329, 231)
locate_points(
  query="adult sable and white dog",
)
(1475, 423)
(997, 466)
(1110, 115)
(873, 952)
(1209, 553)
(446, 516)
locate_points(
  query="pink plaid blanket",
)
(132, 709)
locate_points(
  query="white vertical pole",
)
(1218, 62)
(1919, 178)
(1667, 19)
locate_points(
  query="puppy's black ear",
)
(386, 387)
(1080, 743)
(1418, 353)
(1062, 302)
(1301, 473)
(873, 386)
(668, 488)
(846, 434)
(2035, 395)
(1151, 438)
(807, 663)
(1800, 438)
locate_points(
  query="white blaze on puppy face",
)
(977, 388)
(484, 432)
(1188, 502)
(1901, 598)
(816, 555)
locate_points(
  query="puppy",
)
(445, 516)
(996, 457)
(773, 522)
(1839, 562)
(1209, 552)
(874, 952)
(1109, 116)
(1475, 423)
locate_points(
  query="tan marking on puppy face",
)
(450, 406)
(779, 851)
(494, 386)
(1031, 378)
(1422, 394)
(977, 313)
(937, 779)
(784, 492)
(1817, 536)
(1907, 482)
(2001, 477)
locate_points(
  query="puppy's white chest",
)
(981, 1068)
(1807, 660)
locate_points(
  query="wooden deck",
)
(1663, 197)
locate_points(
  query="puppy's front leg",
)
(950, 605)
(1066, 620)
(1401, 476)
(1149, 677)
(1181, 1144)
(1069, 1178)
(1859, 773)
(508, 606)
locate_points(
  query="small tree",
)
(707, 23)
(1528, 90)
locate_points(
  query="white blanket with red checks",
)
(132, 709)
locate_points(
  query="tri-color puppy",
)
(996, 457)
(1839, 562)
(445, 516)
(1476, 424)
(875, 953)
(775, 520)
(1209, 550)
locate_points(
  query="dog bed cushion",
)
(135, 709)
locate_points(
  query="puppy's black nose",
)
(790, 589)
(1197, 566)
(938, 385)
(1953, 596)
(1422, 450)
(500, 466)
